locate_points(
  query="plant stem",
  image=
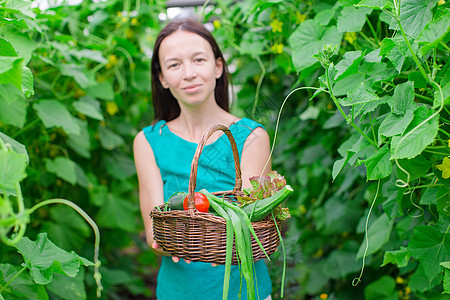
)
(25, 128)
(347, 119)
(413, 54)
(368, 39)
(258, 86)
(14, 277)
(444, 132)
(423, 97)
(445, 46)
(373, 31)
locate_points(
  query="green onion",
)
(229, 247)
(283, 276)
(212, 197)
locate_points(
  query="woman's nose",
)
(189, 71)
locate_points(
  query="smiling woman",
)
(190, 95)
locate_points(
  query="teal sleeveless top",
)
(216, 172)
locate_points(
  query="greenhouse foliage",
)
(354, 94)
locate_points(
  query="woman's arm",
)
(255, 155)
(151, 191)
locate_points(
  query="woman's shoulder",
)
(251, 124)
(154, 128)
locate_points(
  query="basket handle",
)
(194, 165)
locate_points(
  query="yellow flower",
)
(216, 23)
(276, 26)
(112, 108)
(323, 296)
(449, 143)
(399, 280)
(112, 61)
(441, 2)
(134, 21)
(445, 168)
(350, 37)
(302, 209)
(300, 18)
(277, 48)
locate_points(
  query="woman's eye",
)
(199, 59)
(173, 66)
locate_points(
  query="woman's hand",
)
(160, 251)
(175, 259)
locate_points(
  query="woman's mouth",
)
(192, 88)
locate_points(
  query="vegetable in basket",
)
(265, 196)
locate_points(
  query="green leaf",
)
(13, 105)
(83, 77)
(348, 65)
(325, 16)
(383, 288)
(63, 167)
(252, 44)
(27, 82)
(352, 19)
(419, 282)
(446, 282)
(108, 139)
(103, 90)
(6, 49)
(119, 166)
(361, 94)
(402, 110)
(378, 234)
(81, 143)
(68, 288)
(44, 258)
(415, 14)
(94, 55)
(117, 212)
(400, 257)
(67, 228)
(11, 71)
(443, 204)
(21, 7)
(403, 99)
(395, 124)
(13, 166)
(90, 107)
(54, 114)
(417, 167)
(415, 140)
(15, 145)
(430, 247)
(378, 165)
(396, 50)
(434, 33)
(22, 42)
(308, 39)
(22, 287)
(341, 262)
(14, 22)
(376, 4)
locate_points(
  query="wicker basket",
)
(198, 236)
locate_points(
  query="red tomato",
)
(200, 200)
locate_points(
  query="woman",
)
(190, 94)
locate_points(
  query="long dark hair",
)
(165, 105)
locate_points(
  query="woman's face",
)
(188, 68)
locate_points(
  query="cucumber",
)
(175, 201)
(260, 209)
